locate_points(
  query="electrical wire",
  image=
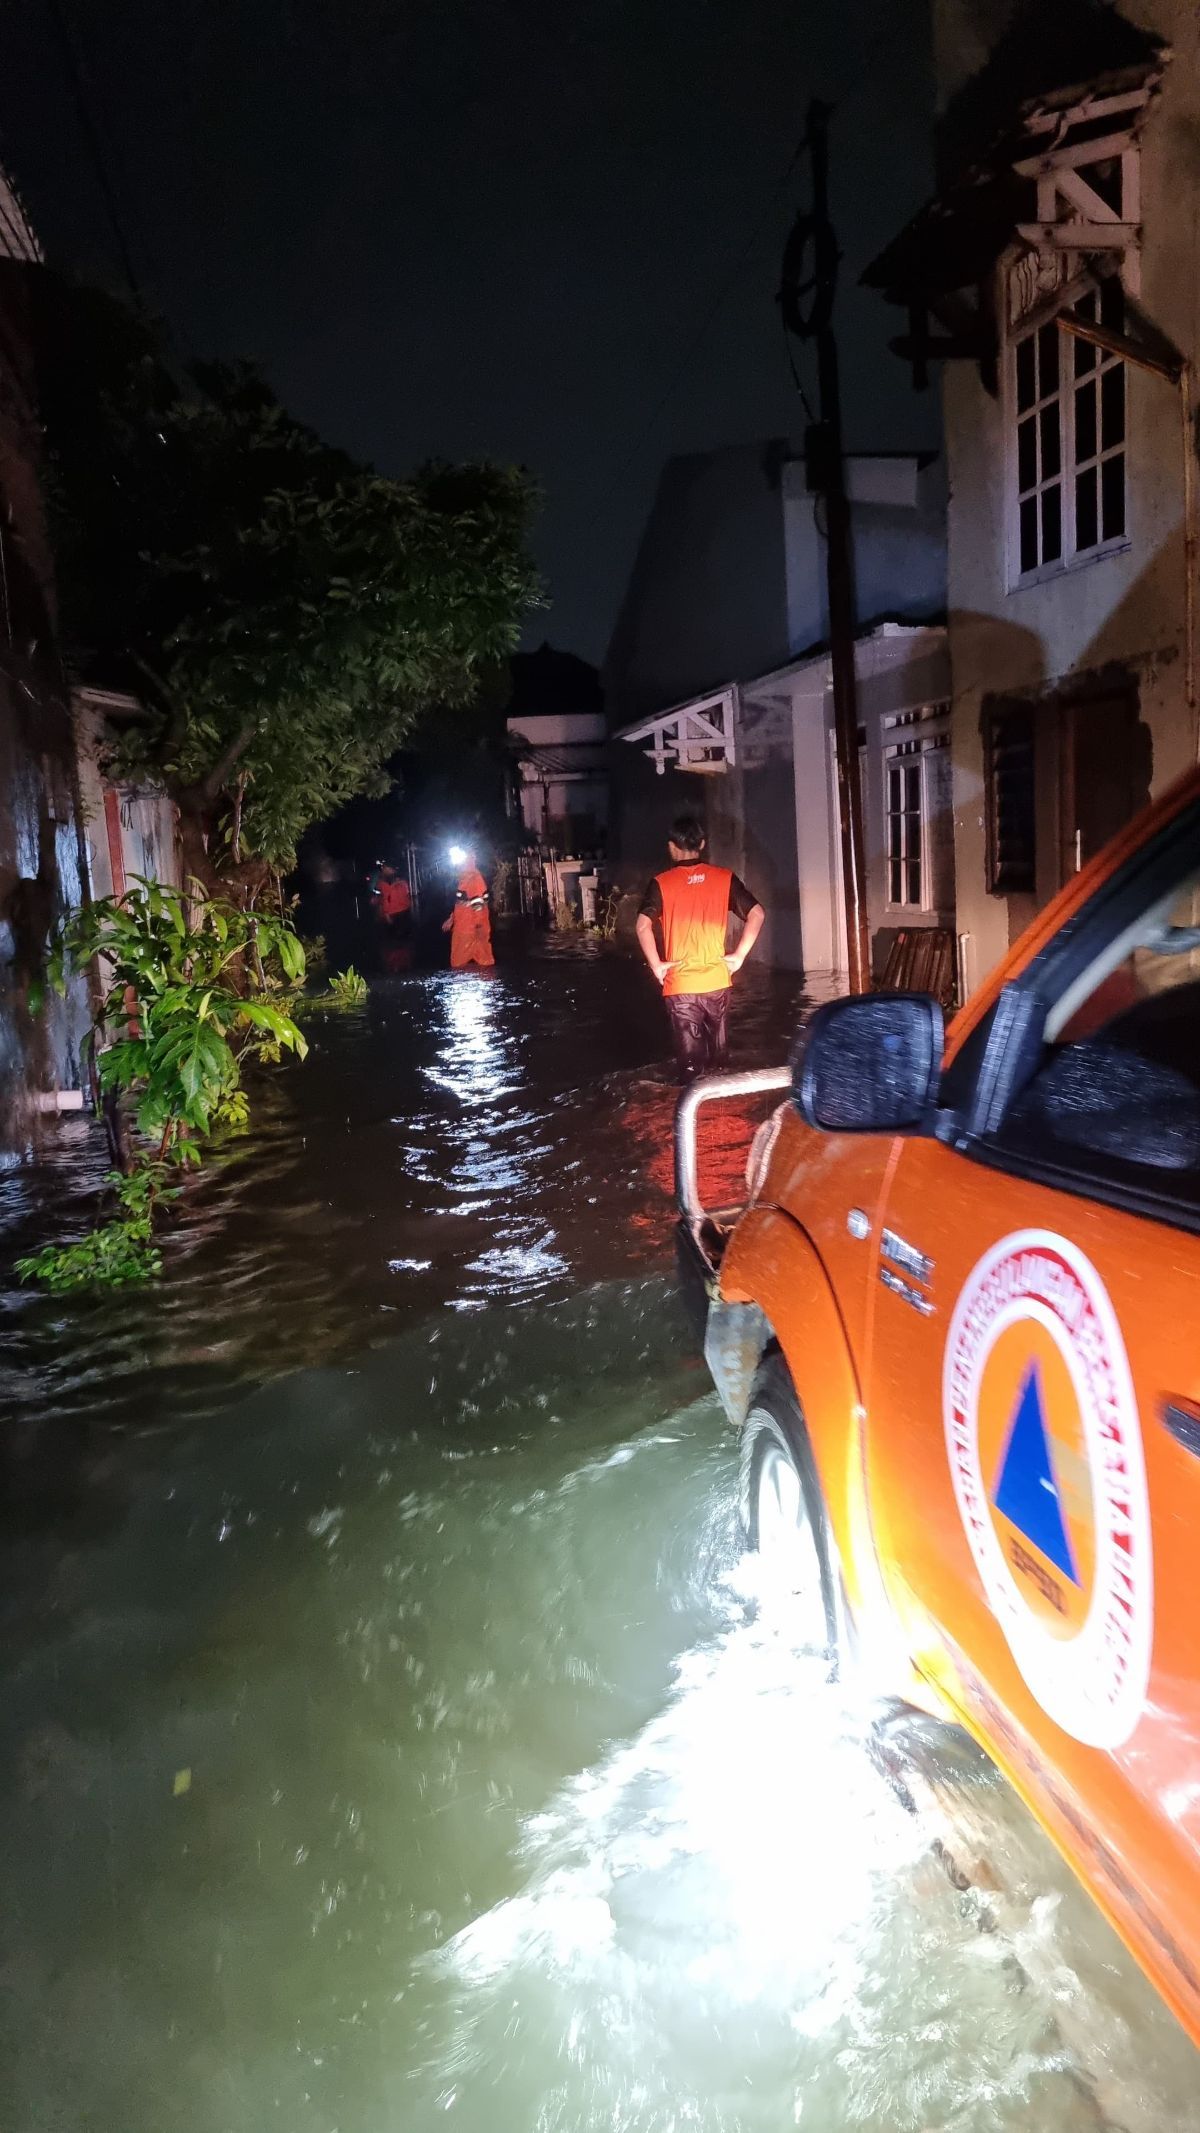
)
(728, 282)
(797, 380)
(880, 58)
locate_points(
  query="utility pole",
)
(806, 295)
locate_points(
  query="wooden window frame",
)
(1081, 368)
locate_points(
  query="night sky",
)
(544, 230)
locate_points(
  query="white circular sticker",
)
(1045, 1452)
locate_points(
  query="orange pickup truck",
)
(958, 1327)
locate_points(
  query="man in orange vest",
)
(469, 926)
(691, 905)
(392, 896)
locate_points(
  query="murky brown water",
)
(390, 1737)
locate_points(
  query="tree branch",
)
(212, 784)
(176, 711)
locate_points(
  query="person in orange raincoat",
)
(469, 924)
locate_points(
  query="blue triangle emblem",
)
(1026, 1491)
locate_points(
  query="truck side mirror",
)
(870, 1064)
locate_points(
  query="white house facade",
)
(1056, 278)
(754, 752)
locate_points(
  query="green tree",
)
(289, 613)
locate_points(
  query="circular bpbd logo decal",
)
(1046, 1456)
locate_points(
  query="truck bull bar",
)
(712, 1088)
(732, 1336)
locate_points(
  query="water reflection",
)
(474, 1060)
(504, 1806)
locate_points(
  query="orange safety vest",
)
(395, 898)
(695, 916)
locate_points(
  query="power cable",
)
(882, 54)
(797, 380)
(708, 319)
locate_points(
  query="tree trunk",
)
(235, 884)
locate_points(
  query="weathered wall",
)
(41, 878)
(41, 848)
(127, 831)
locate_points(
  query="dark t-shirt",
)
(741, 902)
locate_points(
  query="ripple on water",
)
(390, 1739)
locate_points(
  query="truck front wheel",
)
(785, 1518)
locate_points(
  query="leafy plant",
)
(316, 952)
(347, 988)
(192, 989)
(114, 1254)
(186, 1002)
(608, 913)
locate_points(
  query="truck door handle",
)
(1182, 1418)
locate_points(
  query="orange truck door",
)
(1034, 1469)
(1033, 1426)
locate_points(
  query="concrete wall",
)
(1120, 616)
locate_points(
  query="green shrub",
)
(192, 989)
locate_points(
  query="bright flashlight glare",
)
(457, 855)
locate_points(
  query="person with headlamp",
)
(469, 924)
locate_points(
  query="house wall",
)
(567, 729)
(553, 805)
(774, 817)
(558, 808)
(706, 599)
(41, 850)
(127, 831)
(920, 683)
(898, 529)
(730, 584)
(41, 879)
(1118, 618)
(751, 820)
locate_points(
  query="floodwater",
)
(391, 1737)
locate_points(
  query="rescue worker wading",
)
(469, 926)
(691, 904)
(392, 898)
